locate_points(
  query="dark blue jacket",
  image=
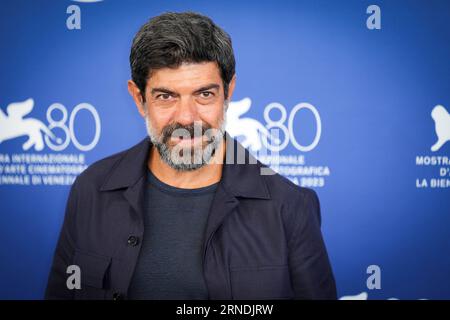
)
(262, 239)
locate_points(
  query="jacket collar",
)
(239, 178)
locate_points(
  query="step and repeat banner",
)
(359, 91)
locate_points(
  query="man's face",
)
(185, 113)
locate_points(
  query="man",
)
(178, 216)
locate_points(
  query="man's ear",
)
(137, 97)
(231, 86)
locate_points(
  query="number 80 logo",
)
(288, 131)
(69, 132)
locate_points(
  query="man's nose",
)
(186, 112)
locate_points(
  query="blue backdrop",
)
(361, 80)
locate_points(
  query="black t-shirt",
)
(170, 260)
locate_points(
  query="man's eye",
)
(163, 96)
(206, 94)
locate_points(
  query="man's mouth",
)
(186, 140)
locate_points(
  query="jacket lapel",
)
(129, 174)
(241, 178)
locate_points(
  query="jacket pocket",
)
(267, 282)
(93, 269)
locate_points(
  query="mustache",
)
(193, 130)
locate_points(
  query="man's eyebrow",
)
(162, 89)
(208, 87)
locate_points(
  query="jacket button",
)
(117, 296)
(133, 241)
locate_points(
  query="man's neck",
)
(207, 175)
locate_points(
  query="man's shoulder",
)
(298, 201)
(99, 171)
(286, 191)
